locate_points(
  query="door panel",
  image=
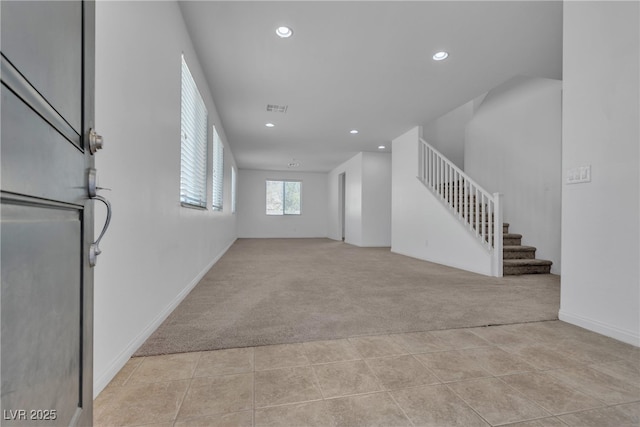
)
(38, 161)
(46, 228)
(43, 40)
(41, 290)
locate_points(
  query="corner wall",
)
(513, 146)
(600, 230)
(421, 226)
(367, 200)
(376, 199)
(253, 222)
(155, 250)
(447, 133)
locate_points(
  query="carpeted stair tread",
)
(518, 248)
(525, 262)
(511, 239)
(511, 236)
(517, 267)
(518, 252)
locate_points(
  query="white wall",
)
(600, 230)
(513, 146)
(367, 200)
(447, 133)
(155, 250)
(376, 199)
(421, 226)
(253, 220)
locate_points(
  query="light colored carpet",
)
(274, 291)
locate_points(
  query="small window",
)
(233, 189)
(218, 171)
(193, 151)
(283, 197)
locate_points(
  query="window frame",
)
(217, 173)
(283, 181)
(234, 186)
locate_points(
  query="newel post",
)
(497, 235)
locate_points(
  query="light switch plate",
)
(579, 175)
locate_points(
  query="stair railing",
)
(478, 210)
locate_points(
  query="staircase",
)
(480, 212)
(477, 210)
(518, 259)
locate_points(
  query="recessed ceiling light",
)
(353, 131)
(269, 125)
(439, 56)
(284, 32)
(381, 147)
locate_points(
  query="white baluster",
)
(477, 208)
(466, 201)
(449, 184)
(455, 192)
(486, 207)
(429, 166)
(421, 152)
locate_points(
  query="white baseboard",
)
(100, 383)
(624, 335)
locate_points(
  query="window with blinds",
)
(233, 189)
(193, 157)
(218, 171)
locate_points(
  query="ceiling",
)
(358, 65)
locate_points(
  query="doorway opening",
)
(341, 202)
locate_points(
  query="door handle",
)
(94, 249)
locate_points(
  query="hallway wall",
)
(600, 109)
(155, 250)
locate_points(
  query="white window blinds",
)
(193, 158)
(218, 171)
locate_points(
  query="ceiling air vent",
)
(277, 108)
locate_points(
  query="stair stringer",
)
(422, 226)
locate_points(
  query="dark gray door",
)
(46, 215)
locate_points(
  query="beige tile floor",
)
(530, 374)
